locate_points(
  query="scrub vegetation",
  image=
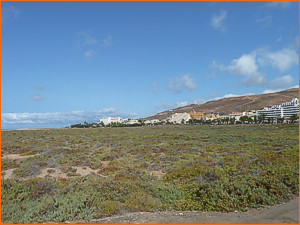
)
(83, 174)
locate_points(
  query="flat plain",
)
(58, 175)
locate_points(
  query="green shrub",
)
(240, 193)
(8, 164)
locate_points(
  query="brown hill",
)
(235, 104)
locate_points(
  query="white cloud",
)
(214, 67)
(265, 21)
(164, 105)
(86, 39)
(40, 87)
(230, 96)
(89, 54)
(154, 87)
(179, 104)
(186, 81)
(272, 90)
(257, 79)
(9, 12)
(194, 101)
(279, 39)
(283, 59)
(282, 82)
(109, 110)
(246, 66)
(217, 20)
(213, 94)
(107, 41)
(61, 117)
(279, 4)
(269, 90)
(37, 98)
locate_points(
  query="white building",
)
(179, 117)
(132, 121)
(285, 110)
(151, 121)
(251, 113)
(237, 115)
(109, 120)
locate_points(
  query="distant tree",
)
(255, 119)
(243, 119)
(262, 118)
(227, 120)
(294, 118)
(232, 120)
(250, 120)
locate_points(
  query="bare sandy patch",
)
(7, 174)
(159, 174)
(52, 172)
(105, 163)
(17, 156)
(84, 171)
(158, 154)
(57, 173)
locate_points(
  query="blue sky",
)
(69, 62)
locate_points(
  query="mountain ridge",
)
(234, 104)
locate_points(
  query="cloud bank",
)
(184, 82)
(248, 65)
(9, 12)
(63, 118)
(217, 20)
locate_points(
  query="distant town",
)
(287, 112)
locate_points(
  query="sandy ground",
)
(48, 172)
(159, 174)
(17, 156)
(57, 173)
(286, 213)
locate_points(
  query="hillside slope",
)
(235, 104)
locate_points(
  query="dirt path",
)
(286, 213)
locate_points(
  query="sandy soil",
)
(7, 174)
(52, 173)
(159, 174)
(17, 156)
(105, 163)
(286, 213)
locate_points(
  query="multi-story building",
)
(148, 122)
(179, 118)
(211, 116)
(285, 110)
(109, 120)
(132, 121)
(202, 116)
(197, 115)
(236, 115)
